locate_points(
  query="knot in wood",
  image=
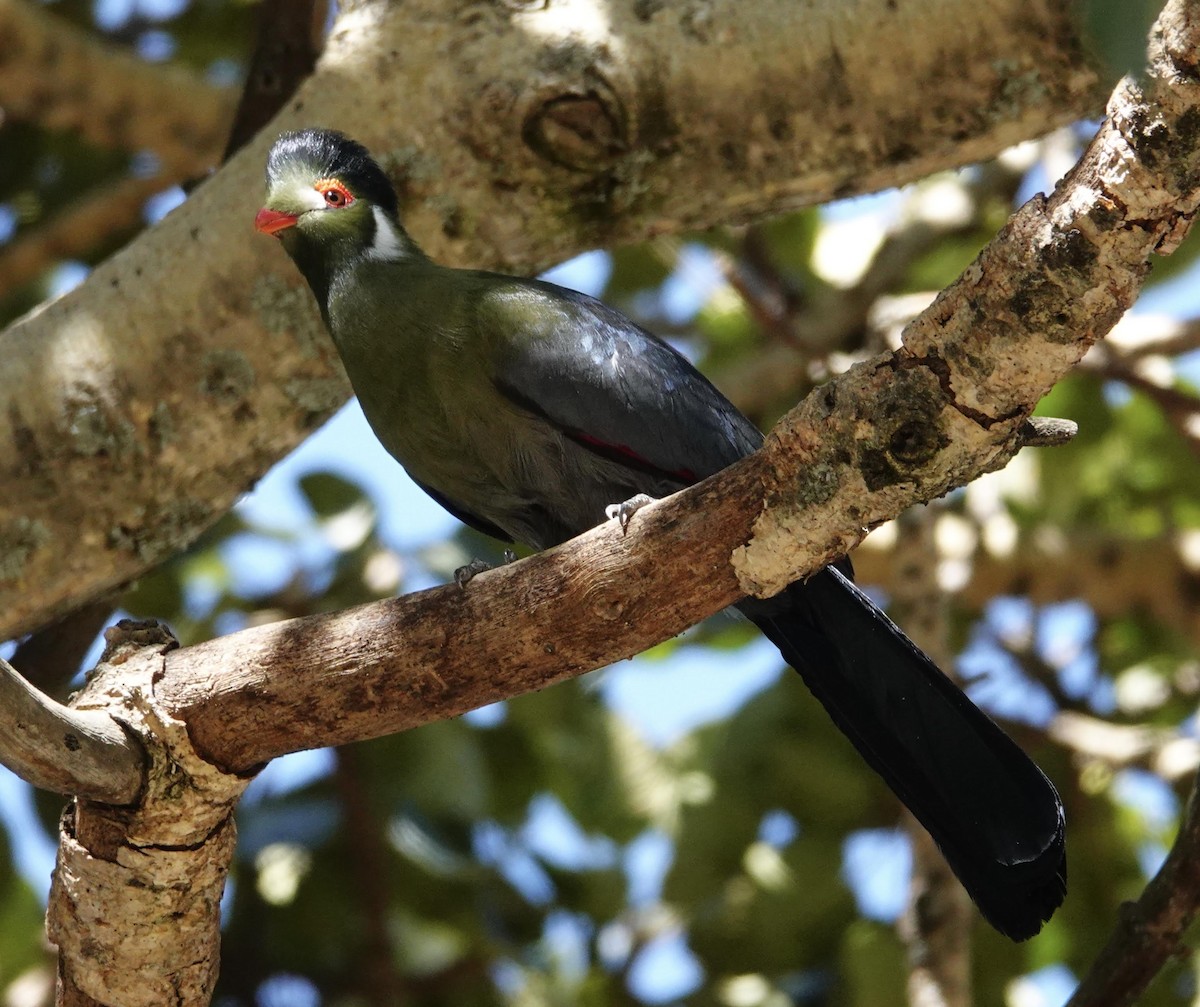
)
(585, 132)
(610, 609)
(914, 443)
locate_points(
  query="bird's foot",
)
(465, 574)
(623, 512)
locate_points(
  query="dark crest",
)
(329, 154)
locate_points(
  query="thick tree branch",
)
(64, 79)
(524, 135)
(70, 751)
(901, 428)
(392, 665)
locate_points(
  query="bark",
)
(71, 751)
(134, 410)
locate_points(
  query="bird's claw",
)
(623, 512)
(465, 574)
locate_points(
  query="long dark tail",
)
(995, 816)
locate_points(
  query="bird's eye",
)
(335, 193)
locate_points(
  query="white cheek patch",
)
(386, 245)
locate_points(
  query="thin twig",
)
(1180, 407)
(1149, 931)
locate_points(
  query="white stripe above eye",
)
(310, 198)
(386, 245)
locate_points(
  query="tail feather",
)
(993, 813)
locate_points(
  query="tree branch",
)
(50, 658)
(1179, 407)
(135, 901)
(1113, 575)
(364, 831)
(901, 428)
(936, 925)
(1161, 750)
(70, 751)
(289, 41)
(115, 462)
(64, 79)
(1150, 930)
(76, 229)
(1059, 275)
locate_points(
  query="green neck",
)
(323, 262)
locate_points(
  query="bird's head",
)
(327, 197)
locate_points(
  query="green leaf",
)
(329, 494)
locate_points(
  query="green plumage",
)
(527, 409)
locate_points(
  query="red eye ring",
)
(336, 194)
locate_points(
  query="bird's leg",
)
(623, 512)
(465, 574)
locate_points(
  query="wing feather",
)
(613, 387)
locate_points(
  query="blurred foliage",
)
(543, 852)
(1118, 33)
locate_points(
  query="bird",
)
(527, 410)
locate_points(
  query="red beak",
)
(272, 221)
